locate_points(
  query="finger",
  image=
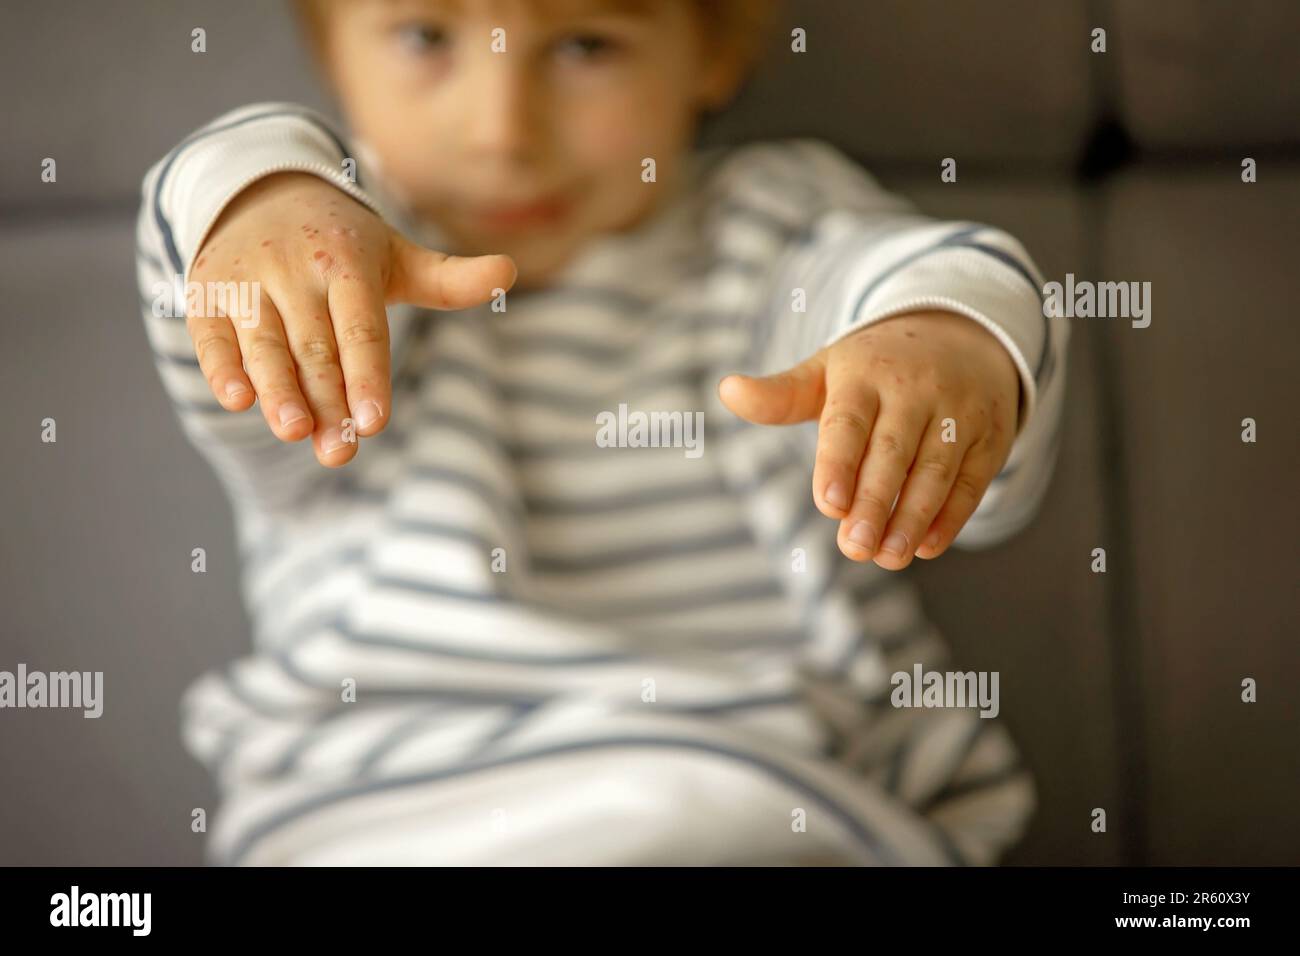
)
(895, 436)
(978, 468)
(271, 370)
(434, 280)
(310, 335)
(795, 395)
(924, 492)
(217, 350)
(847, 415)
(356, 308)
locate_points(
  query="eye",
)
(421, 38)
(587, 46)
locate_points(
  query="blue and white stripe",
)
(503, 717)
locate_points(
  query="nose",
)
(500, 111)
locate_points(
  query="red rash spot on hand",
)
(320, 254)
(910, 335)
(236, 260)
(265, 243)
(202, 259)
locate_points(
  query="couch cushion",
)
(106, 89)
(914, 81)
(1214, 520)
(1205, 74)
(98, 532)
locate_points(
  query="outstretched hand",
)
(919, 409)
(315, 353)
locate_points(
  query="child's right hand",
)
(317, 356)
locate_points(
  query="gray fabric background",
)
(1123, 688)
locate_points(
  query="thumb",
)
(435, 280)
(794, 395)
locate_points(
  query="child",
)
(488, 629)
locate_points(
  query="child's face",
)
(533, 150)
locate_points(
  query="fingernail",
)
(896, 543)
(290, 413)
(332, 441)
(862, 535)
(235, 388)
(367, 413)
(836, 496)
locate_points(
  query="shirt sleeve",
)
(182, 197)
(863, 255)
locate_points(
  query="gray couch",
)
(1124, 687)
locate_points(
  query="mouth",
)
(543, 211)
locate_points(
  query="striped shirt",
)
(492, 639)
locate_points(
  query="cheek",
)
(630, 120)
(399, 132)
(607, 142)
(381, 101)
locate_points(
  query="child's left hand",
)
(882, 395)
